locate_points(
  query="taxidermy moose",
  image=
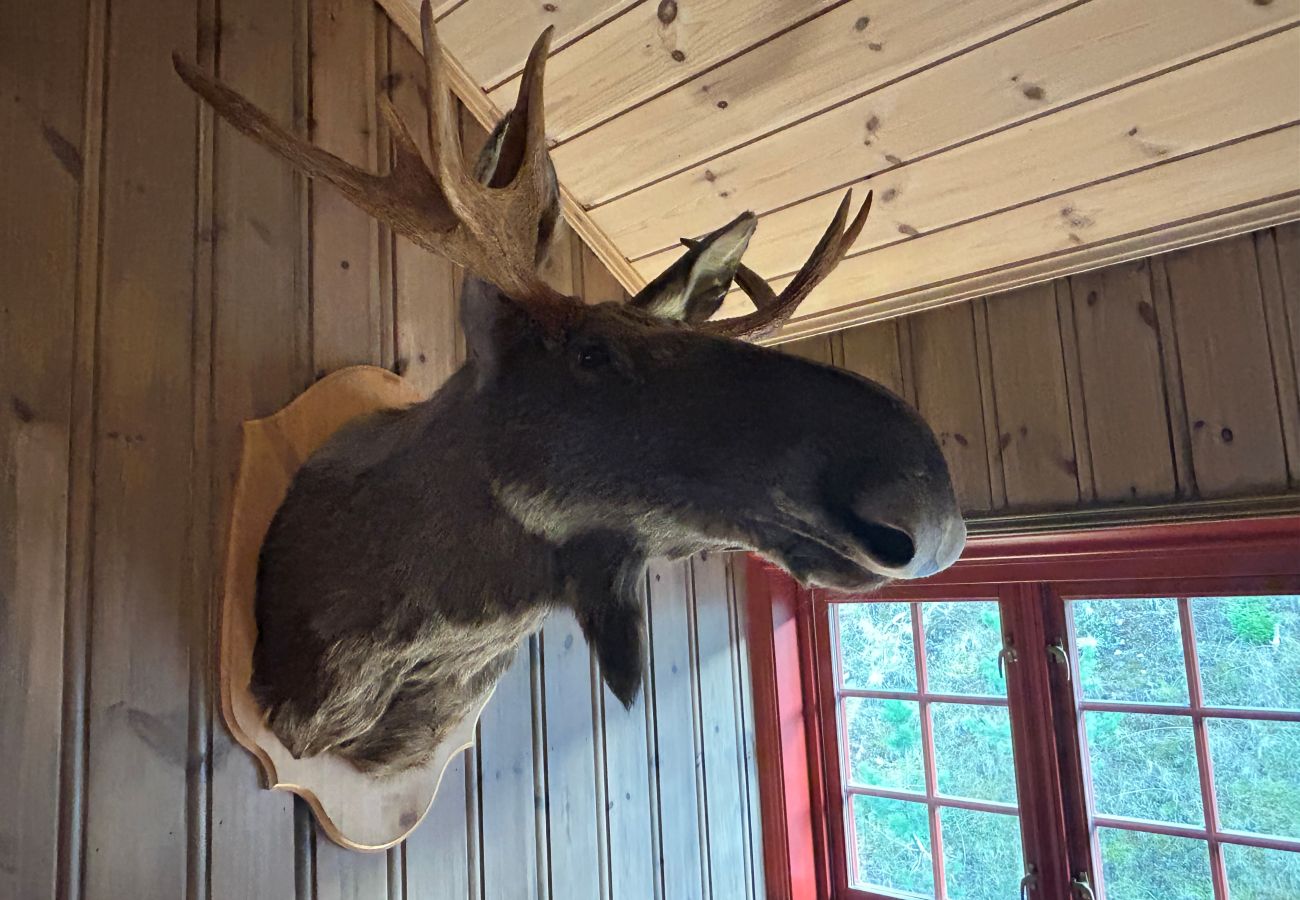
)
(419, 546)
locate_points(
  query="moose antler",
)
(498, 229)
(773, 310)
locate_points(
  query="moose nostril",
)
(890, 546)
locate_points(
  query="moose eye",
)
(593, 356)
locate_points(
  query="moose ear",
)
(692, 288)
(603, 572)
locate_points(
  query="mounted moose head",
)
(418, 547)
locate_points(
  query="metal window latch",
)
(1029, 882)
(1057, 652)
(1082, 887)
(1006, 655)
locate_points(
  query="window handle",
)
(1006, 655)
(1082, 887)
(1029, 882)
(1057, 652)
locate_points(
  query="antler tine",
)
(772, 312)
(749, 281)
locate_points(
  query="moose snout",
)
(906, 536)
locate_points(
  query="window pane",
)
(981, 855)
(1249, 649)
(1258, 874)
(884, 738)
(1141, 866)
(876, 646)
(972, 748)
(1257, 775)
(1130, 650)
(893, 844)
(962, 641)
(1144, 766)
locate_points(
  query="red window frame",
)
(793, 679)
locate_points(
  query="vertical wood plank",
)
(428, 321)
(347, 321)
(141, 623)
(722, 746)
(674, 712)
(947, 384)
(872, 351)
(41, 143)
(989, 403)
(1074, 389)
(628, 790)
(507, 799)
(1228, 381)
(1180, 436)
(1288, 260)
(752, 822)
(347, 318)
(436, 856)
(1118, 343)
(260, 361)
(817, 348)
(1031, 396)
(1280, 347)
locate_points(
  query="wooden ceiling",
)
(1007, 141)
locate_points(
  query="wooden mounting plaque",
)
(355, 810)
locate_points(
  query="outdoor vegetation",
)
(1143, 764)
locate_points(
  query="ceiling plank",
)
(655, 47)
(1071, 56)
(491, 38)
(809, 68)
(1245, 185)
(1187, 110)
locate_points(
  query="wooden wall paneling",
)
(1032, 407)
(436, 857)
(1227, 374)
(630, 804)
(42, 143)
(948, 396)
(822, 62)
(260, 360)
(1115, 132)
(508, 837)
(1135, 214)
(729, 857)
(495, 55)
(1075, 54)
(1287, 241)
(1280, 348)
(989, 403)
(428, 320)
(652, 49)
(1074, 390)
(817, 349)
(752, 820)
(346, 289)
(1180, 436)
(675, 711)
(872, 351)
(141, 622)
(1118, 345)
(347, 320)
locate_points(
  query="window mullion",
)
(1204, 764)
(927, 752)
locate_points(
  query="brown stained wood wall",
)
(1171, 378)
(165, 280)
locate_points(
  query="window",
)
(1144, 741)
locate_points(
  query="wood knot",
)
(862, 23)
(678, 55)
(1227, 435)
(667, 11)
(1034, 92)
(722, 104)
